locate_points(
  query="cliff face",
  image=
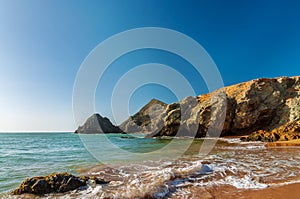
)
(148, 119)
(268, 109)
(98, 124)
(265, 109)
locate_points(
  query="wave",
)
(244, 166)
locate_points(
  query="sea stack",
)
(98, 124)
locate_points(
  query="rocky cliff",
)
(148, 119)
(264, 109)
(98, 124)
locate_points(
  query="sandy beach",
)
(290, 191)
(295, 142)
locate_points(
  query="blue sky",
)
(43, 43)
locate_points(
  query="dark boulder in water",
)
(54, 183)
(128, 137)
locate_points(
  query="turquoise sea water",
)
(25, 155)
(247, 165)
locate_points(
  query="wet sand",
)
(241, 170)
(291, 191)
(288, 191)
(295, 142)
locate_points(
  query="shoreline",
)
(289, 191)
(295, 142)
(196, 190)
(287, 143)
(275, 191)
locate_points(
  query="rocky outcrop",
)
(179, 119)
(265, 109)
(262, 106)
(98, 124)
(289, 131)
(54, 183)
(147, 120)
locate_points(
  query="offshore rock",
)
(98, 124)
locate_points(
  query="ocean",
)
(25, 155)
(247, 165)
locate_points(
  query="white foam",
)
(284, 183)
(243, 147)
(231, 140)
(238, 168)
(241, 183)
(247, 182)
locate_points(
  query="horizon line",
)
(36, 131)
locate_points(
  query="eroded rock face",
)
(286, 132)
(149, 119)
(54, 183)
(179, 119)
(269, 107)
(98, 124)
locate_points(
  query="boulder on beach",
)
(54, 183)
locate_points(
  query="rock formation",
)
(98, 124)
(269, 107)
(148, 119)
(54, 183)
(265, 109)
(180, 119)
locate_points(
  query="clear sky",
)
(43, 43)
